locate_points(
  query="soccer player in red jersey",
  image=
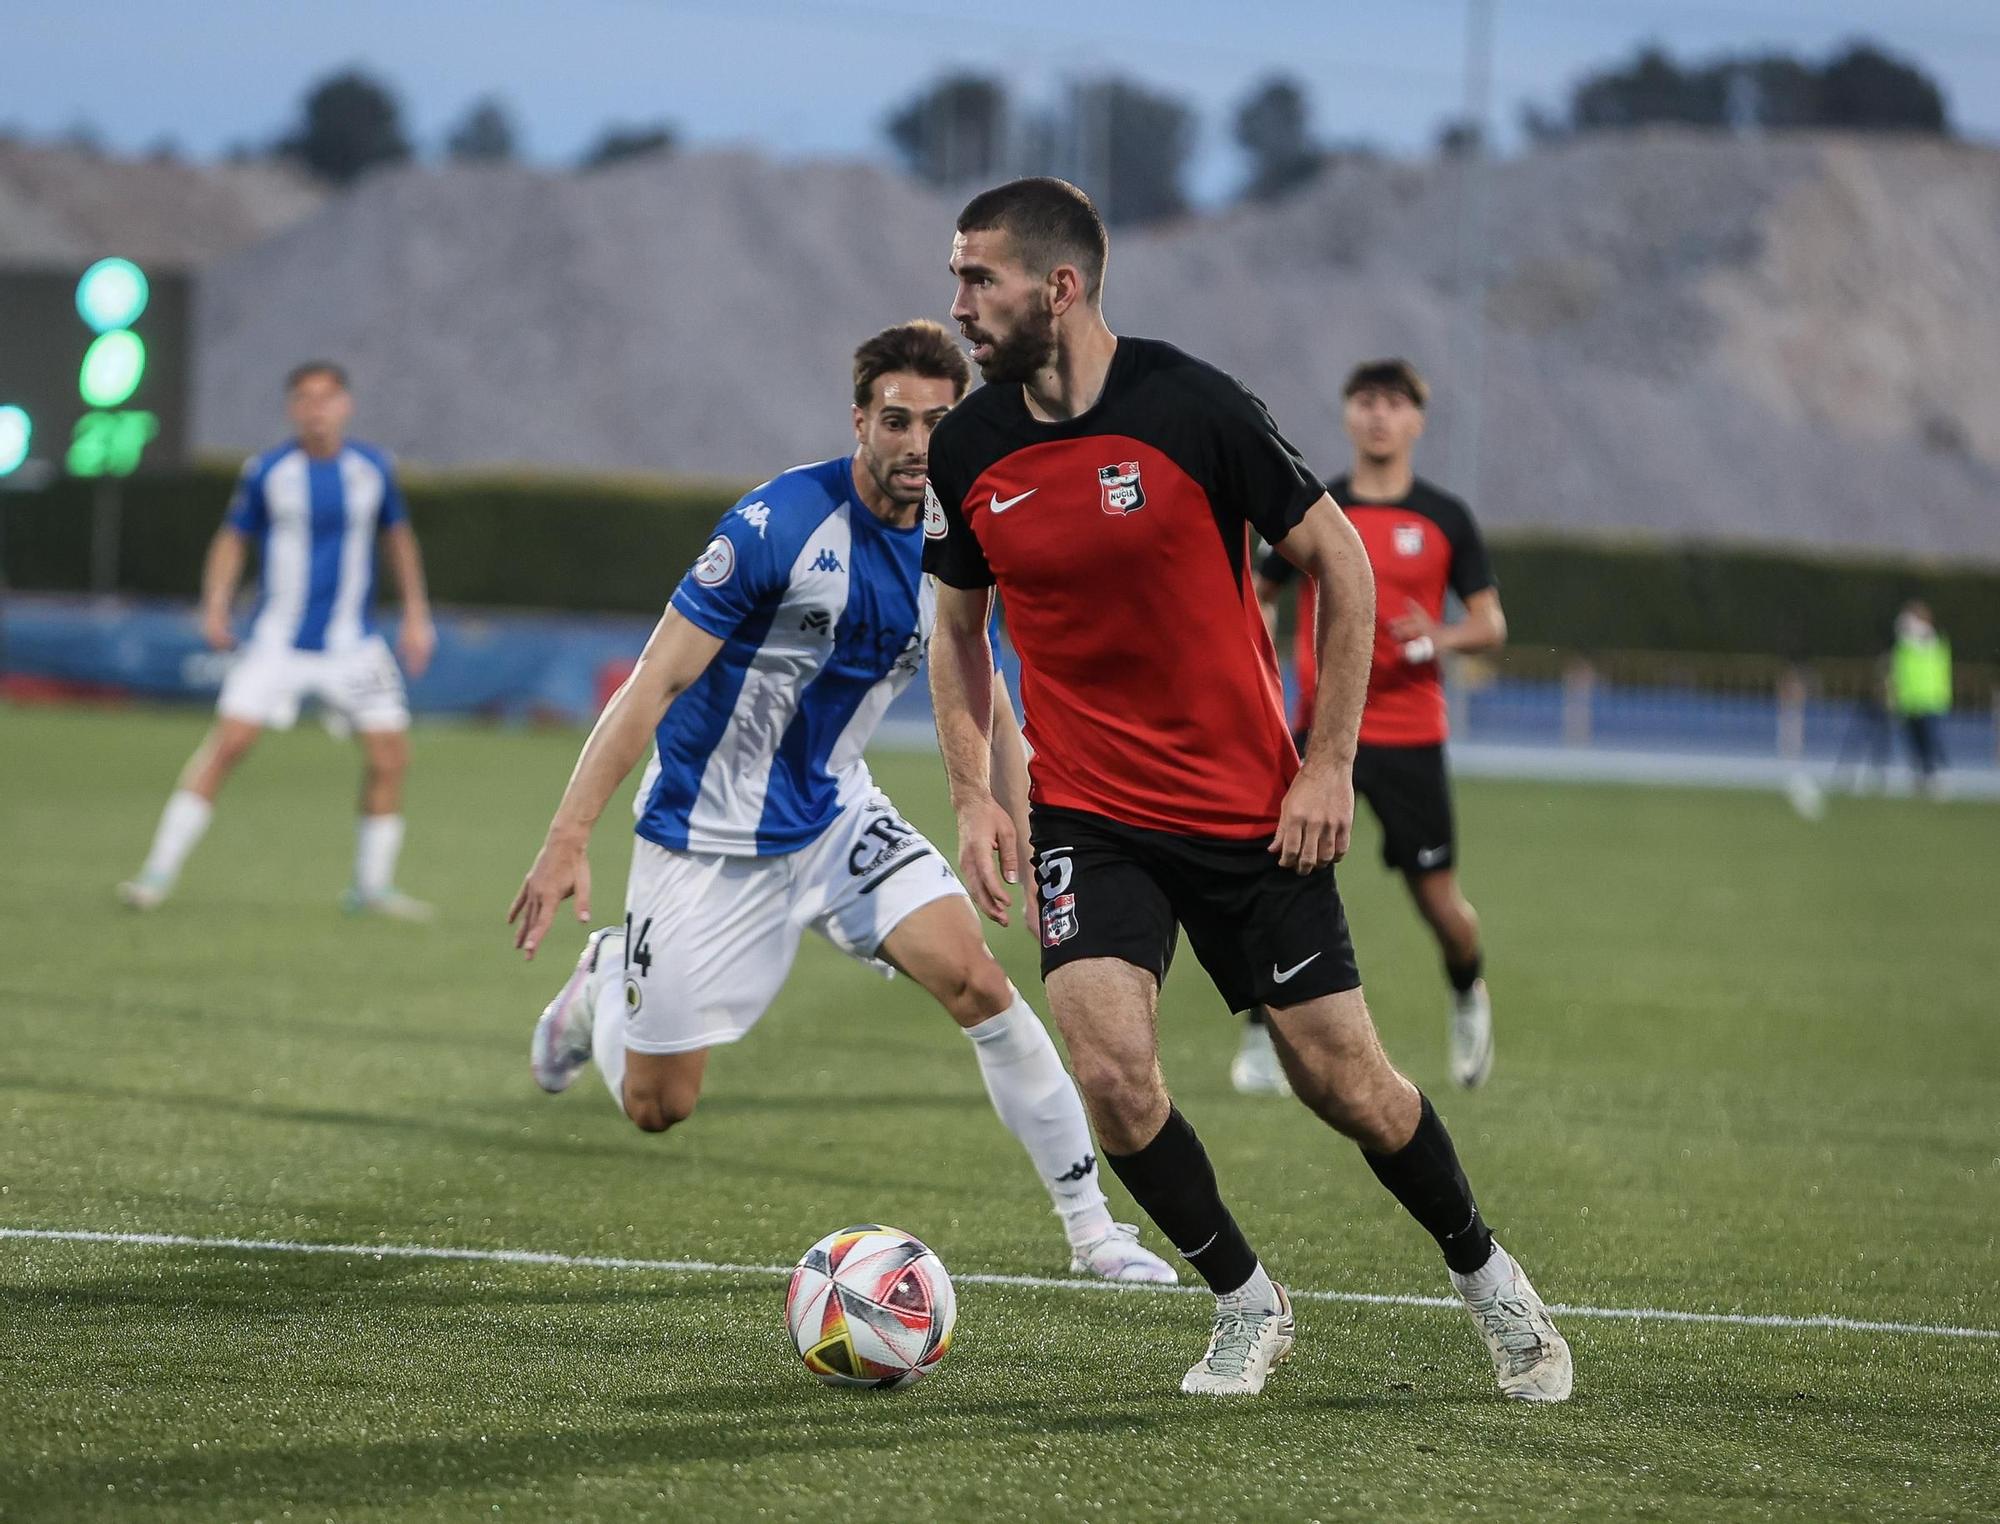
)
(1107, 487)
(1423, 544)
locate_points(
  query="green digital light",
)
(17, 429)
(110, 444)
(112, 294)
(112, 368)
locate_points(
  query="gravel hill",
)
(1792, 339)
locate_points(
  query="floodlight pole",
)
(107, 505)
(1468, 383)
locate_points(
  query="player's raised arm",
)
(676, 654)
(1318, 814)
(962, 699)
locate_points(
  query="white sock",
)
(182, 823)
(607, 1034)
(1488, 1279)
(1038, 1101)
(377, 843)
(1255, 1295)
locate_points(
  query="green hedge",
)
(620, 545)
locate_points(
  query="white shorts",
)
(709, 939)
(363, 685)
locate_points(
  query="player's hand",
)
(215, 630)
(415, 643)
(1415, 623)
(562, 868)
(986, 833)
(1317, 818)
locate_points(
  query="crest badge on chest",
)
(1120, 487)
(1409, 539)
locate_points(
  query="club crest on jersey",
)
(934, 525)
(1121, 488)
(1409, 539)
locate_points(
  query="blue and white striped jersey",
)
(824, 613)
(315, 523)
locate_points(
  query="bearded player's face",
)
(1004, 310)
(893, 433)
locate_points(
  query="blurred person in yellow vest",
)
(1920, 689)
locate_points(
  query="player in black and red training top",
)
(1423, 545)
(1107, 486)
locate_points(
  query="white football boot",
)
(561, 1045)
(392, 904)
(1255, 1070)
(1243, 1349)
(144, 892)
(1530, 1358)
(1471, 1036)
(1119, 1256)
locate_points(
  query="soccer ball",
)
(870, 1306)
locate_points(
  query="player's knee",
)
(1116, 1087)
(977, 991)
(655, 1110)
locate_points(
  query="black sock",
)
(1173, 1183)
(1464, 975)
(1424, 1175)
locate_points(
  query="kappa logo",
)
(1121, 487)
(827, 562)
(1081, 1170)
(1409, 539)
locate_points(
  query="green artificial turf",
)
(1746, 1064)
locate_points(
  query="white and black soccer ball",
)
(870, 1306)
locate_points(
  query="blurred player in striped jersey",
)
(316, 508)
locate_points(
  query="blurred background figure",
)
(1920, 690)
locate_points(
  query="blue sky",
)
(817, 76)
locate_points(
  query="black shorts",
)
(1266, 935)
(1407, 788)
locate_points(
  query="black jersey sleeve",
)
(1471, 568)
(952, 552)
(1257, 472)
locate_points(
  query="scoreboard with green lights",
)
(93, 371)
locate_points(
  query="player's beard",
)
(884, 473)
(1024, 353)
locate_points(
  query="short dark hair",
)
(1390, 375)
(918, 347)
(300, 372)
(1051, 222)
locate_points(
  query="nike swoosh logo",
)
(1430, 857)
(1285, 977)
(996, 506)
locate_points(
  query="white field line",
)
(1031, 1282)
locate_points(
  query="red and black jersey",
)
(1420, 547)
(1120, 540)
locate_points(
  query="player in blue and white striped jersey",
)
(769, 672)
(315, 508)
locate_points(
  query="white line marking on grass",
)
(1029, 1282)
